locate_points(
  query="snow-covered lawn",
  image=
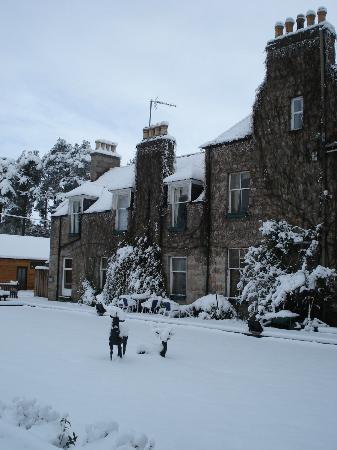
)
(213, 391)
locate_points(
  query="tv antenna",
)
(154, 104)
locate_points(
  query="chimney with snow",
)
(311, 17)
(300, 21)
(103, 158)
(279, 29)
(289, 24)
(158, 129)
(321, 14)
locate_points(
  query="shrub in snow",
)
(100, 430)
(27, 413)
(134, 269)
(282, 272)
(211, 306)
(132, 440)
(66, 437)
(88, 293)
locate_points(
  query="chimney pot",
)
(300, 21)
(157, 130)
(163, 128)
(311, 17)
(151, 132)
(279, 29)
(289, 24)
(145, 132)
(321, 14)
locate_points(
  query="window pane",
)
(179, 264)
(103, 278)
(234, 181)
(298, 121)
(76, 206)
(122, 219)
(235, 201)
(179, 283)
(68, 263)
(123, 201)
(234, 278)
(298, 104)
(244, 200)
(234, 258)
(104, 263)
(180, 194)
(245, 180)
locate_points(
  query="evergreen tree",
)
(135, 269)
(283, 271)
(7, 193)
(64, 168)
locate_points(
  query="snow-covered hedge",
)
(27, 424)
(210, 306)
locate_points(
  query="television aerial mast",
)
(154, 104)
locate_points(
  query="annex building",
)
(204, 209)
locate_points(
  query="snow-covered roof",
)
(188, 167)
(24, 247)
(240, 130)
(117, 178)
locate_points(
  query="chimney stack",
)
(311, 17)
(289, 24)
(279, 29)
(300, 21)
(103, 158)
(321, 14)
(156, 130)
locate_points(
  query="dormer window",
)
(122, 204)
(180, 194)
(75, 216)
(76, 207)
(297, 113)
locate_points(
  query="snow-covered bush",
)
(88, 293)
(134, 269)
(42, 427)
(283, 273)
(211, 306)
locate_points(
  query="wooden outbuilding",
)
(19, 255)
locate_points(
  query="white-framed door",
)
(67, 277)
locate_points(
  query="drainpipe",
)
(322, 146)
(58, 259)
(208, 215)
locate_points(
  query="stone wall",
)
(97, 239)
(101, 162)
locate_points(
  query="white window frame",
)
(102, 270)
(296, 113)
(236, 189)
(66, 291)
(242, 252)
(80, 199)
(178, 271)
(172, 187)
(116, 194)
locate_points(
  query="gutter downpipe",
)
(208, 218)
(322, 145)
(58, 259)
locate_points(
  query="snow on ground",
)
(214, 390)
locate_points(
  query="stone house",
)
(204, 209)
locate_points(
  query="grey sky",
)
(86, 69)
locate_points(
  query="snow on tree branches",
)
(283, 271)
(134, 269)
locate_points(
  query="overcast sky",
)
(86, 69)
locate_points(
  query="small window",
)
(180, 195)
(122, 213)
(236, 260)
(178, 277)
(103, 269)
(239, 188)
(67, 276)
(297, 113)
(75, 216)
